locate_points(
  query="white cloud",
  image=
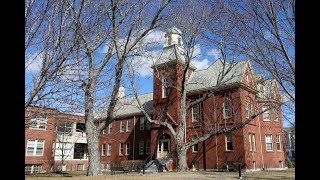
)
(215, 53)
(201, 64)
(142, 64)
(33, 62)
(156, 37)
(196, 51)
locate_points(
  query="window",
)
(169, 40)
(247, 78)
(195, 113)
(229, 145)
(121, 149)
(141, 123)
(103, 150)
(248, 109)
(250, 145)
(127, 148)
(109, 150)
(254, 164)
(179, 41)
(80, 151)
(164, 88)
(121, 126)
(128, 125)
(64, 127)
(275, 114)
(80, 127)
(269, 142)
(254, 142)
(266, 113)
(141, 147)
(280, 164)
(110, 127)
(148, 125)
(227, 110)
(278, 143)
(148, 151)
(80, 167)
(194, 147)
(35, 147)
(29, 169)
(104, 131)
(293, 154)
(38, 123)
(63, 151)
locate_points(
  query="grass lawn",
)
(265, 175)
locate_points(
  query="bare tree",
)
(47, 47)
(264, 32)
(117, 27)
(180, 87)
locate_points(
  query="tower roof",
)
(173, 30)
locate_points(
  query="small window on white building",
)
(38, 123)
(227, 109)
(164, 87)
(265, 113)
(64, 127)
(142, 123)
(121, 126)
(109, 150)
(35, 147)
(229, 145)
(269, 145)
(141, 147)
(195, 113)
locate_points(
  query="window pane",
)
(27, 169)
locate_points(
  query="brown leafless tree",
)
(193, 27)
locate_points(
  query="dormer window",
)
(179, 41)
(169, 40)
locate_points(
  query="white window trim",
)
(35, 147)
(128, 152)
(122, 125)
(121, 154)
(263, 114)
(224, 110)
(110, 128)
(128, 129)
(143, 124)
(192, 113)
(103, 153)
(141, 148)
(275, 111)
(104, 131)
(226, 140)
(268, 142)
(254, 142)
(250, 142)
(109, 149)
(278, 142)
(194, 145)
(38, 121)
(164, 88)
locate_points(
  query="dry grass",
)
(260, 175)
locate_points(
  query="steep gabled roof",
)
(129, 106)
(207, 78)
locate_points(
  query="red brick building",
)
(259, 145)
(54, 141)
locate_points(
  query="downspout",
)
(261, 144)
(204, 142)
(134, 136)
(215, 128)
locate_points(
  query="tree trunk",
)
(182, 158)
(94, 168)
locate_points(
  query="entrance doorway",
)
(164, 146)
